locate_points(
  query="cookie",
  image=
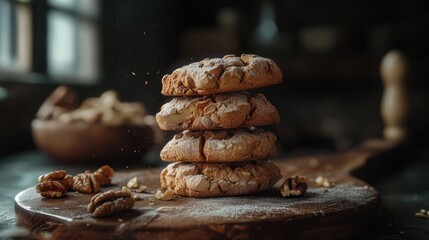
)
(219, 75)
(222, 111)
(219, 179)
(220, 146)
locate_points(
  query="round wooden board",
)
(343, 211)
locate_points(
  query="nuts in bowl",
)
(102, 129)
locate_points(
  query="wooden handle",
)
(394, 102)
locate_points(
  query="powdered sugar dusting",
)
(247, 208)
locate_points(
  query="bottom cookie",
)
(219, 179)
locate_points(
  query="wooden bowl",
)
(92, 143)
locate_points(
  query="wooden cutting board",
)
(347, 210)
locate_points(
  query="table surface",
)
(402, 193)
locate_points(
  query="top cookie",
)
(218, 75)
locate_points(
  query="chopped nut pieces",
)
(126, 190)
(140, 189)
(134, 195)
(294, 187)
(324, 182)
(423, 213)
(110, 202)
(133, 183)
(166, 196)
(54, 184)
(133, 187)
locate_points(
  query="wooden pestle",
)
(394, 101)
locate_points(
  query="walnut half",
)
(110, 202)
(54, 184)
(86, 183)
(294, 187)
(104, 175)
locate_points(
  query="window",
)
(15, 36)
(65, 44)
(72, 39)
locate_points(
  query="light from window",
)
(73, 41)
(62, 52)
(65, 4)
(88, 63)
(15, 37)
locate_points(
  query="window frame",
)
(38, 69)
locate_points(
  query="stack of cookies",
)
(221, 151)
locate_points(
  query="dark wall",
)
(329, 52)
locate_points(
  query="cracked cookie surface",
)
(220, 146)
(219, 179)
(219, 75)
(222, 111)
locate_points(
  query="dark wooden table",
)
(402, 193)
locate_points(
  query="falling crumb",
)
(145, 82)
(314, 163)
(133, 73)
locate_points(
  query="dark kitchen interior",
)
(329, 101)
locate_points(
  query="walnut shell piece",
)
(294, 187)
(109, 203)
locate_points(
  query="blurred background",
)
(329, 52)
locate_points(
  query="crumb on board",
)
(165, 196)
(324, 182)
